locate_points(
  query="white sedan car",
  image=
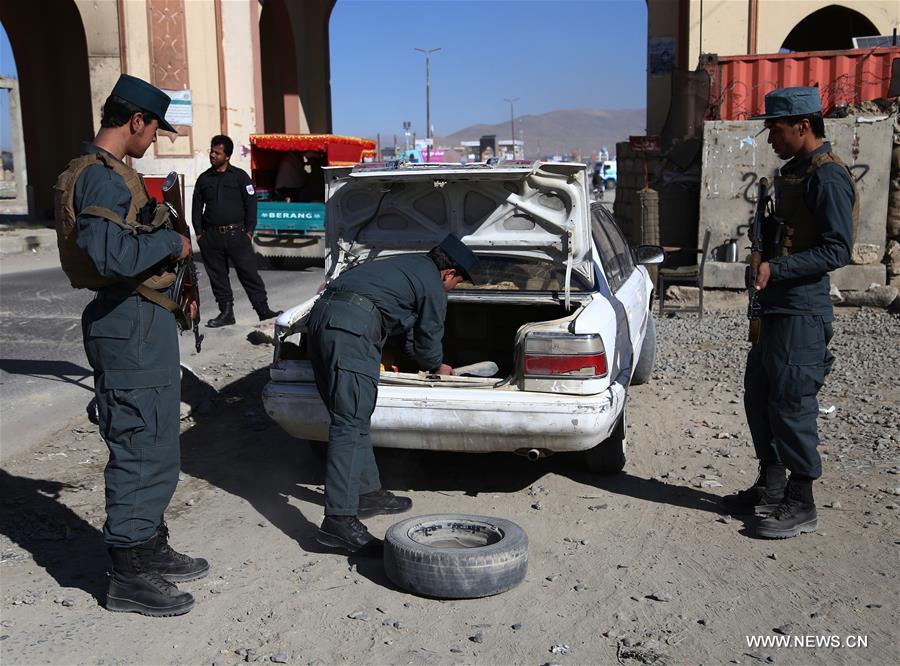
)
(561, 305)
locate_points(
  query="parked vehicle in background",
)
(560, 303)
(289, 180)
(606, 172)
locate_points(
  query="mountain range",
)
(561, 132)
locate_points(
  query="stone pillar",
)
(17, 138)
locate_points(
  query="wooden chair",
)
(684, 275)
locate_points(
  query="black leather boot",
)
(172, 565)
(763, 496)
(134, 587)
(264, 312)
(795, 515)
(225, 318)
(380, 502)
(347, 533)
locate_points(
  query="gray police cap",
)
(797, 101)
(144, 96)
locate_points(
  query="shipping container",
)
(739, 84)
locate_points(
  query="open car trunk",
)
(480, 331)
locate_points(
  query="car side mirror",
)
(649, 254)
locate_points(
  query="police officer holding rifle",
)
(117, 241)
(808, 234)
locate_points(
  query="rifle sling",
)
(145, 291)
(163, 301)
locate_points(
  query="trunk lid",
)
(524, 209)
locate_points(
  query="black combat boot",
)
(225, 318)
(347, 533)
(382, 501)
(134, 587)
(263, 311)
(795, 515)
(763, 496)
(172, 565)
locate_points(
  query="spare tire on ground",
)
(456, 556)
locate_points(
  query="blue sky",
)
(7, 68)
(551, 54)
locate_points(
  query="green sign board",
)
(289, 216)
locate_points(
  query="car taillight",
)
(564, 355)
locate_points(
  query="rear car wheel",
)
(608, 457)
(610, 184)
(456, 556)
(647, 359)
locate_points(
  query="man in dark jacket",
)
(811, 234)
(347, 329)
(224, 217)
(131, 342)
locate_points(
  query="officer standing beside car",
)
(224, 216)
(112, 239)
(811, 233)
(347, 328)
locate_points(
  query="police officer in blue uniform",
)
(347, 326)
(108, 244)
(810, 234)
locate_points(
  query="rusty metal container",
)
(738, 84)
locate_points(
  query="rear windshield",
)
(521, 274)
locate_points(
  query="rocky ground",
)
(636, 568)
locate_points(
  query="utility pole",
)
(427, 53)
(512, 122)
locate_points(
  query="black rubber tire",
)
(609, 184)
(608, 457)
(647, 360)
(495, 561)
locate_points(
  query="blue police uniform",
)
(815, 207)
(132, 345)
(787, 367)
(347, 328)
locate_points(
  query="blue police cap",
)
(461, 255)
(784, 102)
(144, 96)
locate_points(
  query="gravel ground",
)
(636, 568)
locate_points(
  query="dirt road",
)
(640, 567)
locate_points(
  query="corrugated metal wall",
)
(740, 83)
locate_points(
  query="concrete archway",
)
(295, 63)
(830, 28)
(55, 96)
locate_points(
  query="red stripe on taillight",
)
(565, 365)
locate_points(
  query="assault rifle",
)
(756, 251)
(186, 290)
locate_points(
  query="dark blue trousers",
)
(785, 370)
(345, 351)
(132, 345)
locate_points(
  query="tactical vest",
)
(76, 263)
(800, 231)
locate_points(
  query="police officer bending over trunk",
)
(113, 239)
(347, 328)
(816, 211)
(224, 217)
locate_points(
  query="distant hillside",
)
(561, 132)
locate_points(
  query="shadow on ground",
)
(59, 540)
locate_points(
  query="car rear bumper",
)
(459, 419)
